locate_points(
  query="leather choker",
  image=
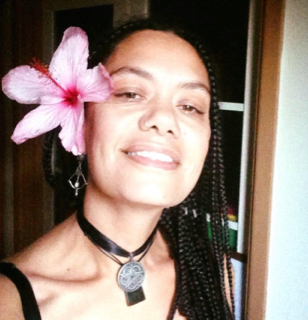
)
(131, 274)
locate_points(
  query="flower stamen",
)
(44, 70)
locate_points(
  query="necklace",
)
(131, 274)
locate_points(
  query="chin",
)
(141, 192)
(156, 197)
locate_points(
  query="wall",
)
(288, 254)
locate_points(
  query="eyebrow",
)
(195, 85)
(133, 70)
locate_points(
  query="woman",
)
(154, 159)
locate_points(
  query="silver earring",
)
(78, 181)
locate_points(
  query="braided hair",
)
(196, 230)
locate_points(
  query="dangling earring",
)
(78, 180)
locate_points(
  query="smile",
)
(154, 156)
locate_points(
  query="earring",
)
(78, 181)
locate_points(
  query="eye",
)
(128, 96)
(190, 109)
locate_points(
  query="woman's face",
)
(147, 144)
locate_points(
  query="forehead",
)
(158, 49)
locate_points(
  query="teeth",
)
(151, 155)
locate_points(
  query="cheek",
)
(205, 147)
(99, 126)
(198, 144)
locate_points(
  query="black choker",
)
(131, 274)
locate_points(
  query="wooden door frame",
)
(272, 20)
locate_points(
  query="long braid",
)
(170, 237)
(198, 257)
(216, 218)
(224, 242)
(219, 215)
(224, 208)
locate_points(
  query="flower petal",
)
(95, 84)
(38, 121)
(27, 85)
(80, 143)
(70, 59)
(71, 134)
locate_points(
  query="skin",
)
(161, 104)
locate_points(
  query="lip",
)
(161, 151)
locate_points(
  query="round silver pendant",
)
(131, 276)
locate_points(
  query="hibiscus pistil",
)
(71, 97)
(43, 69)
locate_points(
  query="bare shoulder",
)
(47, 257)
(41, 256)
(47, 261)
(10, 304)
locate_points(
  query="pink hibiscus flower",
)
(61, 91)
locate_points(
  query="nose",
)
(161, 119)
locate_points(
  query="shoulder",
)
(55, 257)
(52, 252)
(10, 303)
(41, 263)
(51, 247)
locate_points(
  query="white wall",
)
(288, 259)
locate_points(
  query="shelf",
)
(232, 225)
(230, 106)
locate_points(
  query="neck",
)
(126, 224)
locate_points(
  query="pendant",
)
(131, 276)
(134, 297)
(130, 279)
